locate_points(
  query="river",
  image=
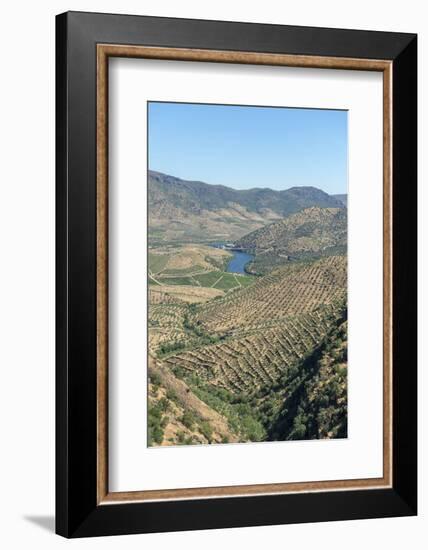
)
(238, 262)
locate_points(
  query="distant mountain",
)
(311, 233)
(342, 198)
(181, 210)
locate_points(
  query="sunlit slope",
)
(177, 416)
(312, 233)
(260, 332)
(294, 289)
(258, 357)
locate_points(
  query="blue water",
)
(238, 262)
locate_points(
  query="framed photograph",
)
(236, 274)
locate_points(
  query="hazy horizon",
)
(249, 147)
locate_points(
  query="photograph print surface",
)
(247, 274)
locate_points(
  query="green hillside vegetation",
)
(313, 401)
(177, 416)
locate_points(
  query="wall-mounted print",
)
(236, 274)
(247, 273)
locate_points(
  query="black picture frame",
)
(77, 511)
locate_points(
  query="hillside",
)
(177, 416)
(343, 198)
(239, 353)
(309, 234)
(314, 403)
(244, 353)
(290, 310)
(194, 211)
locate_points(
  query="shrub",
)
(181, 437)
(189, 419)
(155, 434)
(171, 395)
(206, 430)
(155, 379)
(164, 349)
(163, 404)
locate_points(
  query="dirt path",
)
(218, 280)
(153, 278)
(237, 281)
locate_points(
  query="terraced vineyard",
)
(294, 289)
(166, 325)
(229, 347)
(180, 276)
(310, 401)
(259, 356)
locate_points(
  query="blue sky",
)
(244, 147)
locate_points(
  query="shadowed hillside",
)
(314, 403)
(343, 198)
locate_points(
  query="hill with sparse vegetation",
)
(194, 211)
(309, 234)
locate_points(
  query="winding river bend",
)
(238, 262)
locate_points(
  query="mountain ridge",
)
(342, 197)
(184, 210)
